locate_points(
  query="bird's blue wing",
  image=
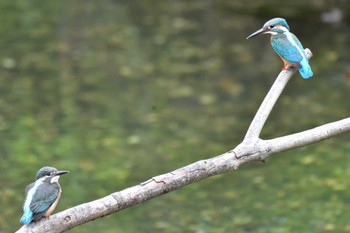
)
(43, 199)
(288, 49)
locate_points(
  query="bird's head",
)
(273, 26)
(49, 174)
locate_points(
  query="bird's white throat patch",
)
(54, 179)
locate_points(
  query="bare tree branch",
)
(267, 105)
(252, 148)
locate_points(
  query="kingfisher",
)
(286, 45)
(42, 196)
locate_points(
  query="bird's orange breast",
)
(53, 206)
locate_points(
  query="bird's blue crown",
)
(45, 171)
(277, 21)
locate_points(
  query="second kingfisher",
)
(42, 195)
(286, 45)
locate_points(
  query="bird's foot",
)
(287, 67)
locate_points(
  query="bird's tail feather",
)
(305, 70)
(27, 217)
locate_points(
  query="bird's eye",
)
(271, 26)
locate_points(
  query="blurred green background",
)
(120, 91)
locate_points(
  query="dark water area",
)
(119, 91)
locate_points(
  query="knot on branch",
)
(308, 53)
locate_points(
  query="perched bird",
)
(286, 45)
(42, 196)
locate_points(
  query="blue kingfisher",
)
(42, 196)
(286, 45)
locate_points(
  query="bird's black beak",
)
(58, 173)
(258, 32)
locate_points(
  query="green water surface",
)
(120, 91)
